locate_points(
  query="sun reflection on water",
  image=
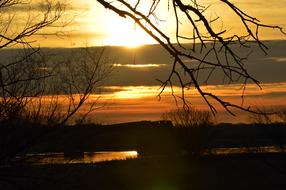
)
(77, 158)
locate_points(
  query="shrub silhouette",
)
(190, 117)
(194, 127)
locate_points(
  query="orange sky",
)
(93, 25)
(109, 29)
(140, 103)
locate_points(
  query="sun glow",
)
(138, 65)
(120, 31)
(129, 37)
(134, 92)
(89, 23)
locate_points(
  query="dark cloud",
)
(266, 68)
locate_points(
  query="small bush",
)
(194, 127)
(190, 117)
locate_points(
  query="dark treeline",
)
(145, 137)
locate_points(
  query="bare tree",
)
(20, 76)
(36, 17)
(81, 75)
(27, 72)
(51, 92)
(29, 79)
(211, 49)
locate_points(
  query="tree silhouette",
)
(49, 14)
(19, 75)
(211, 49)
(29, 75)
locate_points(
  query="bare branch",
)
(212, 44)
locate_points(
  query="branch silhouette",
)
(211, 43)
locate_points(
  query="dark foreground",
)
(168, 158)
(155, 173)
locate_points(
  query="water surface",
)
(77, 158)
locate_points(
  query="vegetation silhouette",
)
(190, 117)
(169, 155)
(212, 49)
(35, 90)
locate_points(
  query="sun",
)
(112, 30)
(124, 32)
(129, 37)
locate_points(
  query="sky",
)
(90, 24)
(131, 92)
(106, 28)
(133, 87)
